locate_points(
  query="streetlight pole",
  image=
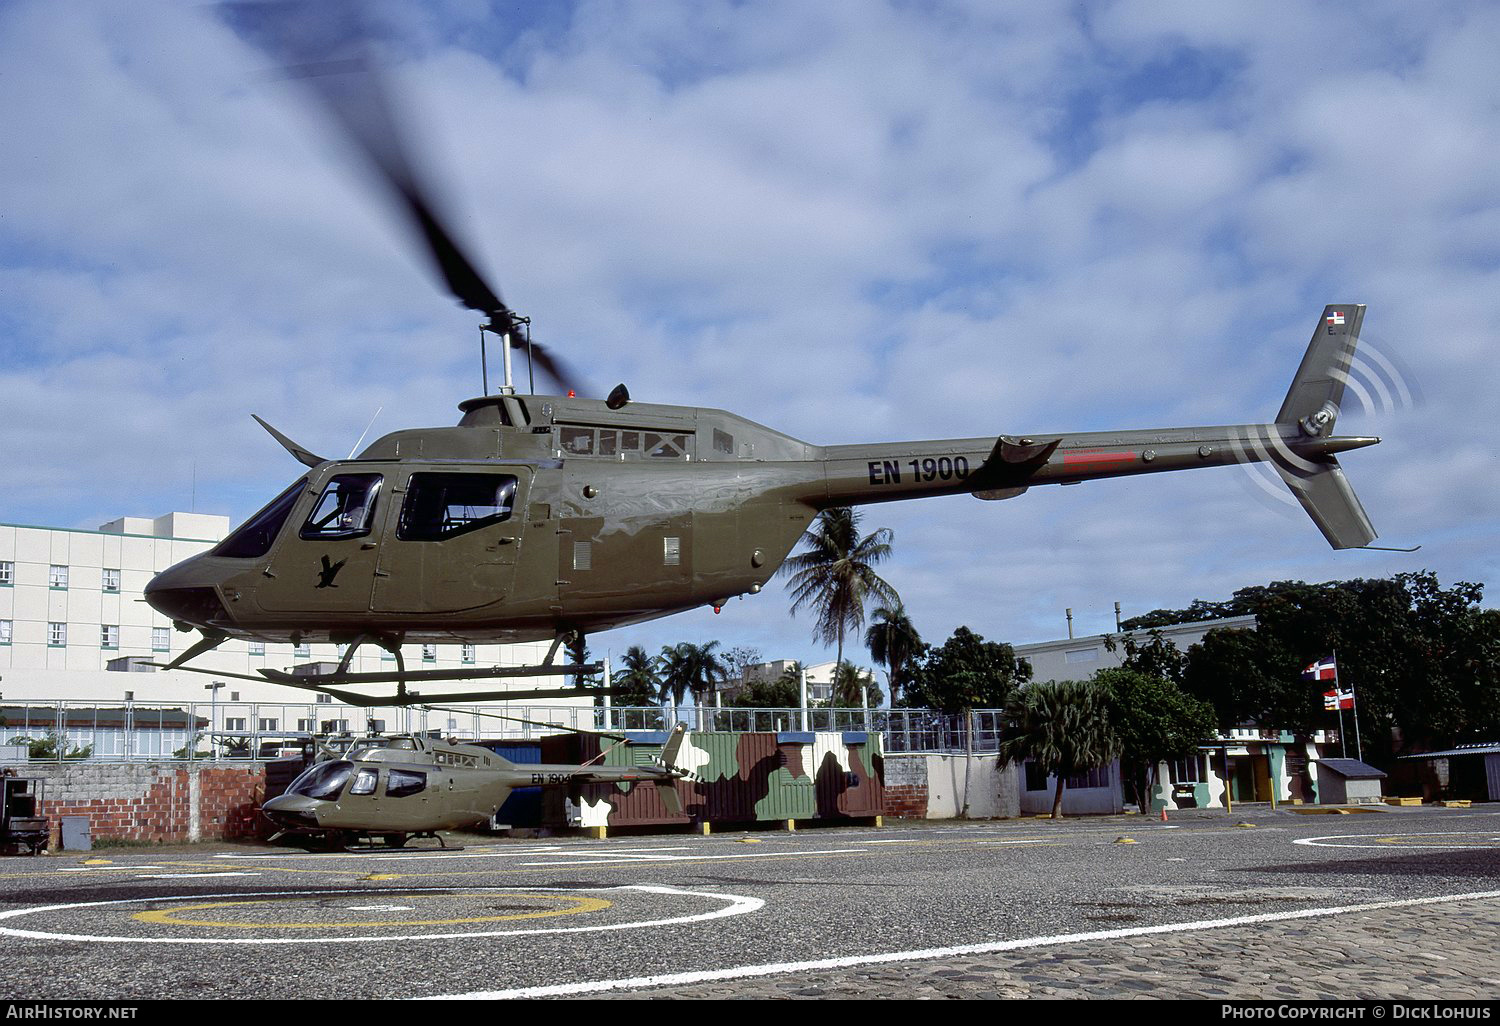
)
(213, 713)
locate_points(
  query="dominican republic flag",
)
(1323, 669)
(1337, 699)
(1336, 319)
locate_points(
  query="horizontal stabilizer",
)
(1326, 495)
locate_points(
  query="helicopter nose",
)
(292, 810)
(182, 594)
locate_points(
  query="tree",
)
(1063, 727)
(637, 677)
(687, 668)
(852, 687)
(967, 672)
(1424, 660)
(1153, 720)
(835, 576)
(894, 643)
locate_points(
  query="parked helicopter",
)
(410, 785)
(552, 516)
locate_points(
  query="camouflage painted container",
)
(742, 778)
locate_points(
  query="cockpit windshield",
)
(255, 536)
(324, 781)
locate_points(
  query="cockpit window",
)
(403, 783)
(441, 506)
(256, 535)
(345, 509)
(325, 780)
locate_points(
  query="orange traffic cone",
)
(1163, 813)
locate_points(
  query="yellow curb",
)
(382, 876)
(749, 840)
(1126, 840)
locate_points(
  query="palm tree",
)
(893, 641)
(1062, 726)
(836, 576)
(638, 677)
(689, 668)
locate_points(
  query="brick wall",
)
(154, 801)
(906, 786)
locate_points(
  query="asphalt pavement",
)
(1386, 904)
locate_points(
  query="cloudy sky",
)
(852, 221)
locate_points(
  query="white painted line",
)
(1398, 843)
(780, 968)
(736, 904)
(187, 876)
(628, 859)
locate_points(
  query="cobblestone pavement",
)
(1439, 953)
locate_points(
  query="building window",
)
(429, 653)
(325, 699)
(266, 724)
(468, 653)
(5, 629)
(161, 639)
(234, 696)
(7, 573)
(109, 636)
(57, 577)
(110, 580)
(1188, 771)
(1098, 777)
(306, 725)
(302, 651)
(57, 634)
(257, 648)
(234, 723)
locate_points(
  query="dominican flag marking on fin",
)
(1336, 319)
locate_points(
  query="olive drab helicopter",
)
(553, 516)
(411, 785)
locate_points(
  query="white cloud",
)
(848, 221)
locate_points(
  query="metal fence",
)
(69, 730)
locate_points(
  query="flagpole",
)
(1339, 704)
(1359, 747)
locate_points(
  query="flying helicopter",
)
(407, 785)
(553, 516)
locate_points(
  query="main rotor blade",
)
(327, 45)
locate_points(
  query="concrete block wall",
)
(154, 801)
(936, 786)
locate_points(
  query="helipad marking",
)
(735, 905)
(165, 917)
(926, 954)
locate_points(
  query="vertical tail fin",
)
(1311, 408)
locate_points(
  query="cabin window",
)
(364, 782)
(577, 441)
(723, 442)
(255, 537)
(440, 506)
(404, 783)
(345, 509)
(630, 441)
(666, 447)
(671, 552)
